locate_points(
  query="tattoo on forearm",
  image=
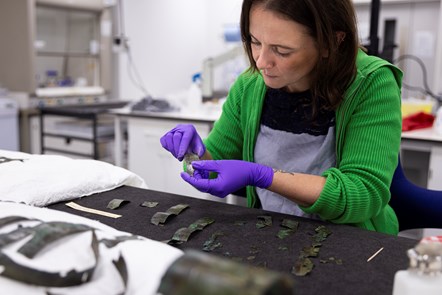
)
(282, 171)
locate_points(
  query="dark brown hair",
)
(323, 19)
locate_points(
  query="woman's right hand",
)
(181, 140)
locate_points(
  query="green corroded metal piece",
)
(116, 203)
(264, 221)
(302, 267)
(161, 217)
(188, 159)
(46, 233)
(284, 233)
(200, 273)
(183, 234)
(291, 224)
(212, 243)
(149, 204)
(25, 274)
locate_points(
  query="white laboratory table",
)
(423, 147)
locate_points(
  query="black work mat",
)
(243, 241)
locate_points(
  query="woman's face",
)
(283, 51)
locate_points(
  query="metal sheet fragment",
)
(288, 223)
(264, 221)
(13, 219)
(110, 243)
(18, 272)
(303, 266)
(188, 159)
(183, 234)
(212, 243)
(161, 217)
(197, 272)
(116, 203)
(149, 204)
(48, 232)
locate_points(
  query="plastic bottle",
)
(424, 275)
(194, 95)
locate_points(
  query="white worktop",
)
(208, 112)
(429, 134)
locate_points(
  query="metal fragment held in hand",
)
(188, 159)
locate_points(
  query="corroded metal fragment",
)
(46, 233)
(25, 274)
(264, 221)
(149, 204)
(302, 267)
(161, 217)
(212, 243)
(288, 223)
(12, 219)
(116, 203)
(284, 233)
(188, 159)
(202, 273)
(183, 234)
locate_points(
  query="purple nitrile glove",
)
(183, 139)
(232, 176)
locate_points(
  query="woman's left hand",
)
(232, 176)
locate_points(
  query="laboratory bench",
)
(421, 157)
(342, 265)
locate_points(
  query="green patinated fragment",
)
(284, 233)
(264, 221)
(183, 234)
(161, 217)
(291, 224)
(212, 243)
(310, 252)
(116, 203)
(149, 204)
(302, 267)
(46, 233)
(188, 159)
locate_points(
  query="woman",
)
(313, 128)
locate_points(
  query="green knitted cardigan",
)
(368, 135)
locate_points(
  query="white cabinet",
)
(435, 169)
(147, 158)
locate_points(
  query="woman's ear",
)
(340, 36)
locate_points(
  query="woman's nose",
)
(263, 60)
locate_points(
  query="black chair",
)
(416, 207)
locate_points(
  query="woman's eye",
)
(281, 53)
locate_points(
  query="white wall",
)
(171, 38)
